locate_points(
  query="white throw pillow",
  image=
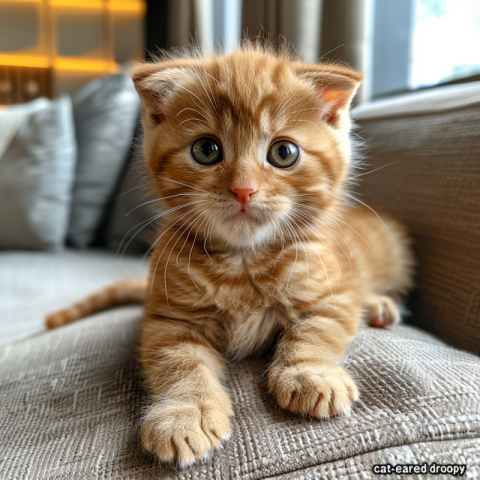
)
(37, 168)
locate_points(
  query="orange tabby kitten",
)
(250, 154)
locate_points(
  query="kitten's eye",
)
(206, 151)
(283, 154)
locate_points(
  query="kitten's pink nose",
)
(243, 194)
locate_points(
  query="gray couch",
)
(71, 399)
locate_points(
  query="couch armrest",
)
(431, 144)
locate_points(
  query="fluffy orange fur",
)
(294, 267)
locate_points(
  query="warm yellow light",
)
(89, 4)
(130, 6)
(84, 64)
(15, 60)
(138, 6)
(22, 1)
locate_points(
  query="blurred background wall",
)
(48, 47)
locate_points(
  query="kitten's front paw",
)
(314, 389)
(185, 432)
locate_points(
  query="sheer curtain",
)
(214, 24)
(347, 31)
(299, 21)
(338, 30)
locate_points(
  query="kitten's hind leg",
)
(381, 311)
(190, 414)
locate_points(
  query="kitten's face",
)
(253, 144)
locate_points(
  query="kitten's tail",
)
(120, 293)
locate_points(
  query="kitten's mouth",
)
(245, 214)
(242, 213)
(245, 226)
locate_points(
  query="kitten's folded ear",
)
(155, 81)
(334, 84)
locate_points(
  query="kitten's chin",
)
(245, 234)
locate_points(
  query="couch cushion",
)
(463, 451)
(105, 113)
(37, 169)
(33, 284)
(429, 146)
(71, 399)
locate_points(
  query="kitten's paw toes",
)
(381, 311)
(185, 433)
(313, 389)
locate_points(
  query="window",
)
(420, 43)
(445, 41)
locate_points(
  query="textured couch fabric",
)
(33, 284)
(70, 400)
(432, 142)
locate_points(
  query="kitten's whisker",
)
(205, 113)
(213, 78)
(192, 110)
(159, 199)
(362, 203)
(296, 255)
(155, 218)
(191, 93)
(323, 227)
(308, 121)
(351, 228)
(285, 98)
(329, 52)
(338, 220)
(376, 170)
(335, 219)
(148, 221)
(303, 246)
(282, 240)
(184, 184)
(190, 255)
(303, 110)
(172, 225)
(321, 212)
(194, 119)
(209, 227)
(190, 231)
(206, 236)
(131, 190)
(331, 253)
(203, 85)
(288, 97)
(212, 226)
(217, 109)
(171, 251)
(160, 256)
(165, 231)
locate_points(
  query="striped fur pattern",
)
(299, 268)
